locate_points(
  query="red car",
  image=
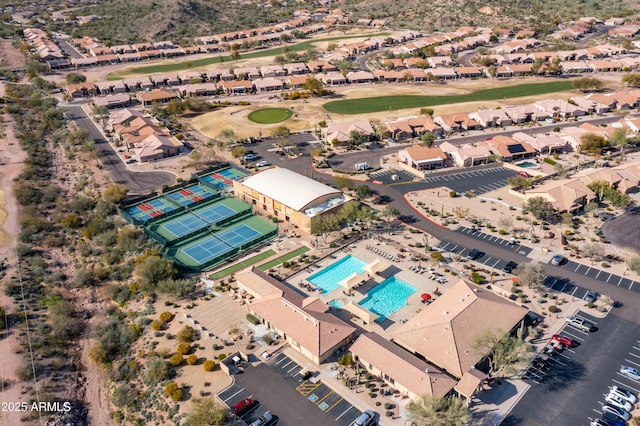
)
(567, 341)
(524, 174)
(243, 407)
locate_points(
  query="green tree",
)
(153, 269)
(433, 410)
(207, 412)
(504, 352)
(179, 288)
(235, 55)
(632, 79)
(539, 207)
(634, 264)
(316, 153)
(75, 78)
(280, 132)
(363, 191)
(619, 138)
(176, 360)
(519, 182)
(428, 138)
(71, 221)
(342, 182)
(78, 137)
(357, 138)
(115, 193)
(323, 225)
(389, 214)
(239, 152)
(531, 275)
(345, 66)
(313, 85)
(187, 334)
(594, 251)
(157, 369)
(227, 134)
(567, 218)
(426, 111)
(175, 107)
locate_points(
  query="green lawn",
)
(181, 66)
(278, 260)
(270, 115)
(389, 103)
(235, 268)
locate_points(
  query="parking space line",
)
(568, 333)
(323, 398)
(344, 412)
(632, 354)
(587, 319)
(447, 245)
(331, 408)
(284, 366)
(565, 284)
(559, 362)
(631, 285)
(574, 291)
(626, 386)
(619, 281)
(588, 270)
(631, 362)
(578, 267)
(622, 375)
(485, 262)
(285, 357)
(455, 247)
(293, 368)
(225, 401)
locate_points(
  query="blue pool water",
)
(388, 297)
(327, 279)
(336, 303)
(527, 164)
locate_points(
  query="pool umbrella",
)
(426, 297)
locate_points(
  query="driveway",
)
(137, 182)
(624, 230)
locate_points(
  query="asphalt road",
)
(137, 182)
(624, 230)
(572, 388)
(70, 50)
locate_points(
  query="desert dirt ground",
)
(307, 114)
(10, 57)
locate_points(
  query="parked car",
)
(558, 260)
(616, 411)
(613, 420)
(473, 254)
(509, 267)
(243, 407)
(567, 341)
(623, 393)
(616, 401)
(365, 419)
(524, 174)
(250, 157)
(630, 372)
(579, 323)
(265, 420)
(590, 296)
(262, 163)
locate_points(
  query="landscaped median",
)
(278, 260)
(392, 103)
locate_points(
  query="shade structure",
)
(353, 280)
(367, 316)
(376, 266)
(426, 297)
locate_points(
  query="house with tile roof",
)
(303, 321)
(158, 95)
(510, 150)
(342, 131)
(566, 195)
(467, 155)
(443, 333)
(422, 157)
(399, 368)
(156, 147)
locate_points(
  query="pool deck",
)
(400, 269)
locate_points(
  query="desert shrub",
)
(268, 340)
(156, 325)
(553, 309)
(171, 388)
(253, 319)
(177, 395)
(221, 357)
(176, 360)
(187, 334)
(183, 348)
(209, 365)
(437, 256)
(166, 317)
(192, 359)
(590, 305)
(514, 290)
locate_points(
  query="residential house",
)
(156, 147)
(542, 142)
(186, 77)
(400, 369)
(604, 66)
(138, 83)
(296, 68)
(632, 123)
(123, 117)
(244, 73)
(422, 157)
(491, 117)
(442, 73)
(296, 81)
(357, 77)
(321, 66)
(272, 71)
(594, 105)
(268, 85)
(115, 86)
(392, 76)
(510, 150)
(80, 90)
(624, 178)
(342, 131)
(572, 136)
(155, 96)
(520, 70)
(466, 155)
(444, 333)
(165, 80)
(560, 108)
(120, 100)
(303, 322)
(235, 87)
(332, 79)
(439, 61)
(200, 89)
(133, 131)
(394, 64)
(468, 72)
(566, 195)
(456, 122)
(524, 113)
(413, 127)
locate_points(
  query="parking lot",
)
(483, 258)
(385, 177)
(602, 275)
(496, 241)
(572, 389)
(478, 181)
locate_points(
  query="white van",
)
(362, 166)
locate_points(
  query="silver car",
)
(579, 323)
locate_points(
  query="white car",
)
(616, 401)
(618, 412)
(631, 373)
(623, 393)
(262, 163)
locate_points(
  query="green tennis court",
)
(181, 226)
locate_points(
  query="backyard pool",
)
(527, 164)
(328, 278)
(388, 297)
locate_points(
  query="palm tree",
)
(619, 138)
(432, 410)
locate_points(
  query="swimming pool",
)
(527, 164)
(327, 279)
(388, 297)
(336, 303)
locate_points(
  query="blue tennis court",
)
(190, 194)
(185, 225)
(214, 213)
(150, 209)
(207, 249)
(239, 235)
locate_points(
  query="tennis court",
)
(238, 235)
(223, 178)
(181, 226)
(150, 209)
(203, 250)
(190, 194)
(214, 212)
